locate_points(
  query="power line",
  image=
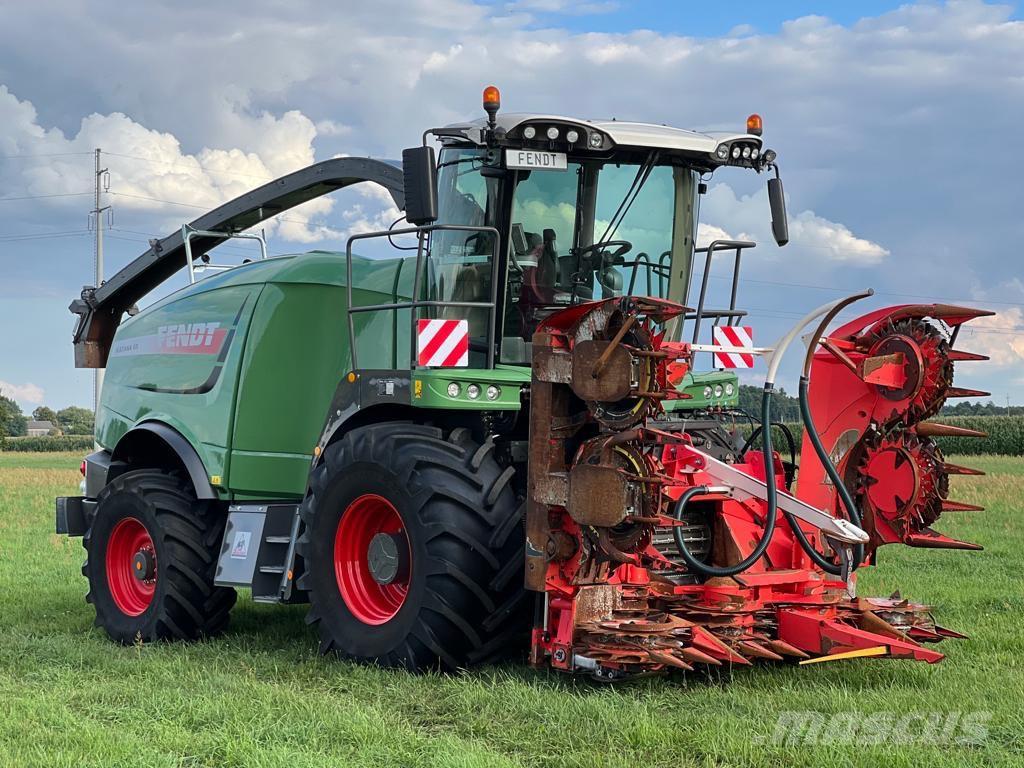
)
(198, 207)
(40, 197)
(193, 166)
(149, 235)
(43, 235)
(43, 154)
(877, 293)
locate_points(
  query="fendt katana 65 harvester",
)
(496, 440)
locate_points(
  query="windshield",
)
(593, 231)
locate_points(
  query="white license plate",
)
(535, 161)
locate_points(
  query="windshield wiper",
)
(642, 174)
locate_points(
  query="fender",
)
(180, 446)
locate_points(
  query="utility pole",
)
(102, 183)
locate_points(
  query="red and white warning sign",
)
(442, 343)
(733, 336)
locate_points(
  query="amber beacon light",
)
(492, 103)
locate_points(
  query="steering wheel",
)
(622, 247)
(617, 248)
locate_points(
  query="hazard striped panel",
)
(442, 343)
(733, 336)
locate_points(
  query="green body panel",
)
(161, 368)
(693, 384)
(271, 336)
(293, 362)
(430, 387)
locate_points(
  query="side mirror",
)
(777, 202)
(419, 171)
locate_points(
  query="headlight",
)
(596, 140)
(454, 389)
(473, 391)
(718, 390)
(707, 393)
(529, 132)
(572, 136)
(552, 133)
(746, 152)
(729, 389)
(493, 392)
(722, 152)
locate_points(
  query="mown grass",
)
(261, 696)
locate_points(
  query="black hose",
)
(844, 495)
(790, 444)
(771, 497)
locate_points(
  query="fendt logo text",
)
(187, 335)
(180, 339)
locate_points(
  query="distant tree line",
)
(982, 409)
(784, 407)
(787, 408)
(67, 421)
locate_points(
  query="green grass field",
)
(261, 696)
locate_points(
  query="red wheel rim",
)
(131, 594)
(369, 601)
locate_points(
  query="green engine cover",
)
(244, 364)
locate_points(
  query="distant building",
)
(39, 428)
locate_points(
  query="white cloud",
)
(562, 6)
(23, 393)
(814, 238)
(999, 336)
(808, 230)
(150, 174)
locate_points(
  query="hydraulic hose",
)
(844, 495)
(829, 311)
(826, 461)
(771, 497)
(790, 445)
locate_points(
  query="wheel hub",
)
(388, 557)
(144, 565)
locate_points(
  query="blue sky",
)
(686, 17)
(896, 127)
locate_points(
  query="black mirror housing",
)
(419, 171)
(777, 202)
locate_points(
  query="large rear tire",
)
(413, 549)
(151, 556)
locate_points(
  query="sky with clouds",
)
(897, 128)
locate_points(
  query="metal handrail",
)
(718, 245)
(415, 303)
(661, 269)
(188, 232)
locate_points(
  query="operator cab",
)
(587, 210)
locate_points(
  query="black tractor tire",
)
(184, 535)
(465, 602)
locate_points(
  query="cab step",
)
(258, 551)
